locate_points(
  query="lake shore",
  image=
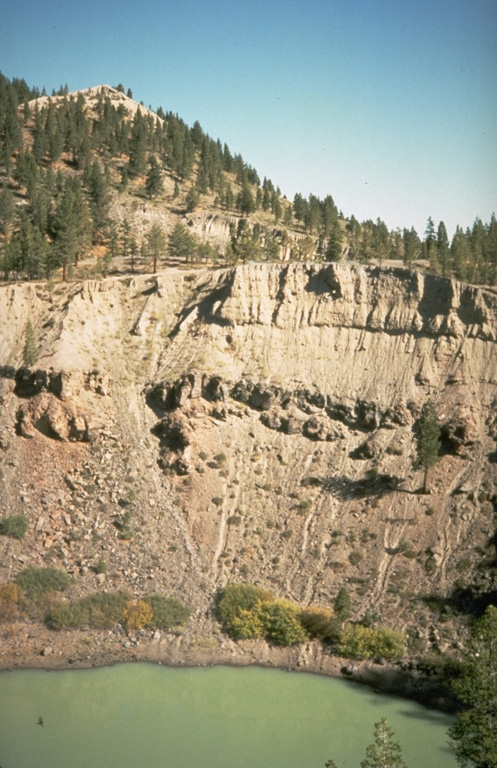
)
(28, 647)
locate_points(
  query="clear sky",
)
(390, 106)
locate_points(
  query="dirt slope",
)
(257, 424)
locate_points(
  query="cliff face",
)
(257, 423)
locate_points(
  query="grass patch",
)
(14, 526)
(36, 582)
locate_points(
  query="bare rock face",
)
(255, 424)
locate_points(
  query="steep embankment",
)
(257, 423)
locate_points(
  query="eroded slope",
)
(257, 425)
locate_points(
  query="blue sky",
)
(390, 106)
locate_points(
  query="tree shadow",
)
(373, 484)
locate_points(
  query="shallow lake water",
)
(150, 716)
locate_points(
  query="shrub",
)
(168, 612)
(247, 611)
(124, 526)
(137, 614)
(103, 610)
(355, 557)
(9, 601)
(248, 624)
(35, 582)
(14, 526)
(236, 598)
(394, 450)
(320, 622)
(281, 623)
(361, 642)
(304, 506)
(66, 616)
(430, 565)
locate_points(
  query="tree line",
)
(62, 165)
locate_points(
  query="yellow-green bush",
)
(247, 611)
(236, 598)
(359, 642)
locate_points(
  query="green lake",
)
(149, 716)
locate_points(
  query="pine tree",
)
(384, 752)
(229, 198)
(39, 138)
(412, 245)
(276, 208)
(461, 255)
(428, 439)
(155, 243)
(330, 215)
(380, 240)
(334, 247)
(99, 195)
(138, 145)
(181, 244)
(72, 225)
(245, 201)
(474, 736)
(430, 242)
(341, 604)
(192, 199)
(314, 216)
(29, 353)
(154, 184)
(6, 208)
(443, 249)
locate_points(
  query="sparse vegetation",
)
(10, 596)
(14, 526)
(103, 610)
(124, 526)
(168, 612)
(36, 582)
(355, 557)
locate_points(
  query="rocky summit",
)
(256, 424)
